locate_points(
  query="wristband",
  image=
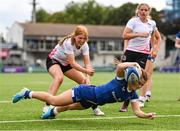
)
(151, 58)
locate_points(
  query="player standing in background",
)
(177, 52)
(137, 35)
(155, 45)
(61, 61)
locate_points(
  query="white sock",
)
(142, 98)
(30, 94)
(148, 93)
(55, 111)
(95, 109)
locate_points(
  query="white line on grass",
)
(70, 119)
(5, 101)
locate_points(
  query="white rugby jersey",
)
(60, 52)
(140, 44)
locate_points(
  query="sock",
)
(148, 93)
(142, 98)
(55, 111)
(28, 94)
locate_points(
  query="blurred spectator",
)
(177, 53)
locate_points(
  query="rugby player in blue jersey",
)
(85, 96)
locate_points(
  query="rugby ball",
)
(132, 74)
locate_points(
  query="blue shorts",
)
(85, 94)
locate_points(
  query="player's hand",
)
(90, 71)
(151, 115)
(154, 53)
(144, 34)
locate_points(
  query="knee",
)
(51, 100)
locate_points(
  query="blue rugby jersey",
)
(114, 91)
(178, 35)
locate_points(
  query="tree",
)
(120, 15)
(91, 12)
(42, 16)
(85, 13)
(155, 16)
(57, 17)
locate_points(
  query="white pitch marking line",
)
(5, 101)
(70, 119)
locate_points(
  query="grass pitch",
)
(25, 115)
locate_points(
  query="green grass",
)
(25, 115)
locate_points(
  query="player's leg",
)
(149, 88)
(83, 98)
(76, 76)
(148, 85)
(63, 99)
(81, 79)
(74, 106)
(149, 71)
(55, 71)
(58, 76)
(52, 112)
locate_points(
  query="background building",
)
(36, 40)
(172, 10)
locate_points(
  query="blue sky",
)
(20, 10)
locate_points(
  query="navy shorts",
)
(85, 94)
(50, 62)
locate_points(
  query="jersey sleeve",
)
(85, 49)
(130, 24)
(68, 48)
(134, 97)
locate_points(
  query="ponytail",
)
(61, 41)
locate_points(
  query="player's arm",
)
(125, 45)
(139, 113)
(129, 34)
(122, 66)
(87, 65)
(74, 64)
(155, 41)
